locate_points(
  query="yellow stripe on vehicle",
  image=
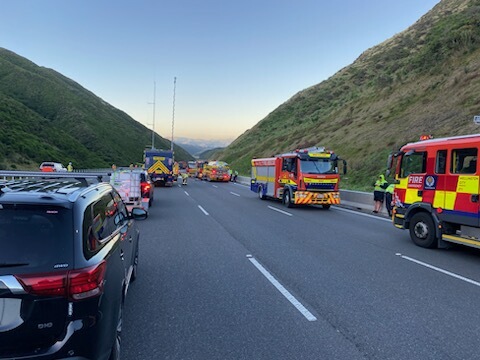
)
(450, 197)
(467, 184)
(320, 181)
(439, 199)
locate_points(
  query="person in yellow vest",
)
(379, 193)
(70, 167)
(389, 198)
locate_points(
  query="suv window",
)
(101, 219)
(36, 236)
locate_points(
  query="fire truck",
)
(437, 191)
(216, 171)
(301, 177)
(200, 165)
(192, 168)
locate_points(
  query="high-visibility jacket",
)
(381, 184)
(390, 188)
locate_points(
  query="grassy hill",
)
(425, 80)
(45, 116)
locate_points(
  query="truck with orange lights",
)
(436, 196)
(192, 168)
(301, 177)
(216, 171)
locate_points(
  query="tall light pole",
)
(173, 112)
(153, 124)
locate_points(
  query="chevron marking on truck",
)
(305, 197)
(158, 166)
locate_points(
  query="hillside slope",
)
(423, 80)
(45, 116)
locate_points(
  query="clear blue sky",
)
(235, 60)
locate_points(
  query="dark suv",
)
(69, 250)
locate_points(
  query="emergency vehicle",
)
(437, 191)
(192, 168)
(159, 164)
(301, 177)
(200, 165)
(216, 171)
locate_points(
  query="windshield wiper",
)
(12, 264)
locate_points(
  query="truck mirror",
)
(344, 167)
(389, 161)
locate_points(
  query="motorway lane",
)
(379, 300)
(343, 267)
(199, 297)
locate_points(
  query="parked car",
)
(65, 268)
(49, 166)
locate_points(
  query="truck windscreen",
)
(318, 166)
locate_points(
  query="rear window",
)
(35, 238)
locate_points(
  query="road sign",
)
(476, 119)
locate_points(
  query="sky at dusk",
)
(234, 61)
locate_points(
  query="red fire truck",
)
(437, 191)
(301, 177)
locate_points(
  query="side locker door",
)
(438, 181)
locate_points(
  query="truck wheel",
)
(287, 198)
(260, 193)
(422, 230)
(326, 206)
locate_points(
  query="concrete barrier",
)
(358, 200)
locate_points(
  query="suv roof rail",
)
(53, 175)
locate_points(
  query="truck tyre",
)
(422, 230)
(287, 198)
(260, 193)
(326, 206)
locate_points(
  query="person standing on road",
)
(379, 193)
(388, 198)
(70, 167)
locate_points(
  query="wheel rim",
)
(421, 230)
(287, 198)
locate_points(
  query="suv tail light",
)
(75, 284)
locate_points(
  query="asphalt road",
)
(225, 275)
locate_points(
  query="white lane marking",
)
(231, 192)
(280, 211)
(308, 315)
(203, 210)
(215, 186)
(362, 214)
(460, 277)
(186, 193)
